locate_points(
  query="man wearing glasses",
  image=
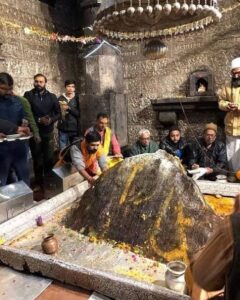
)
(46, 111)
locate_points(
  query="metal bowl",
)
(174, 276)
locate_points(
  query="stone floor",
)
(20, 286)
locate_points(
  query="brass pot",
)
(50, 244)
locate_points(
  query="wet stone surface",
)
(149, 203)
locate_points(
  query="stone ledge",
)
(114, 286)
(26, 220)
(217, 188)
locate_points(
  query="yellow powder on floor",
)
(222, 206)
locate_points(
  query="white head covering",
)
(235, 63)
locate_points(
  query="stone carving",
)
(148, 202)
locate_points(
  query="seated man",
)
(208, 155)
(144, 144)
(109, 141)
(217, 265)
(89, 156)
(173, 143)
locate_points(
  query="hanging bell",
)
(139, 10)
(167, 8)
(155, 49)
(199, 9)
(131, 11)
(176, 7)
(149, 9)
(158, 8)
(115, 15)
(109, 17)
(206, 8)
(122, 12)
(192, 8)
(184, 8)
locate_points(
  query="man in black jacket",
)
(208, 154)
(68, 126)
(173, 143)
(46, 112)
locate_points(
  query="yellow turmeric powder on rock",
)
(222, 206)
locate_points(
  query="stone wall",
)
(26, 55)
(214, 48)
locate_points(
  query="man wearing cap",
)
(89, 157)
(229, 101)
(207, 157)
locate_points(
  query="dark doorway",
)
(49, 2)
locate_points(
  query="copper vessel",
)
(50, 244)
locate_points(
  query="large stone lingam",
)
(149, 203)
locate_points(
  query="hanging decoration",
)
(52, 36)
(155, 49)
(146, 19)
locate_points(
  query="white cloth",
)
(235, 63)
(233, 152)
(197, 173)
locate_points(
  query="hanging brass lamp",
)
(155, 49)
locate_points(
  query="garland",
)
(52, 36)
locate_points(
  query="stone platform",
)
(116, 273)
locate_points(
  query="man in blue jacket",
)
(13, 154)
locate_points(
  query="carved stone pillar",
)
(103, 89)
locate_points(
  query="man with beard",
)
(46, 112)
(13, 154)
(229, 101)
(207, 156)
(173, 143)
(109, 140)
(89, 157)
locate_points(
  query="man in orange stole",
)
(89, 157)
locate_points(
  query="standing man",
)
(68, 125)
(144, 144)
(229, 101)
(108, 138)
(13, 154)
(46, 112)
